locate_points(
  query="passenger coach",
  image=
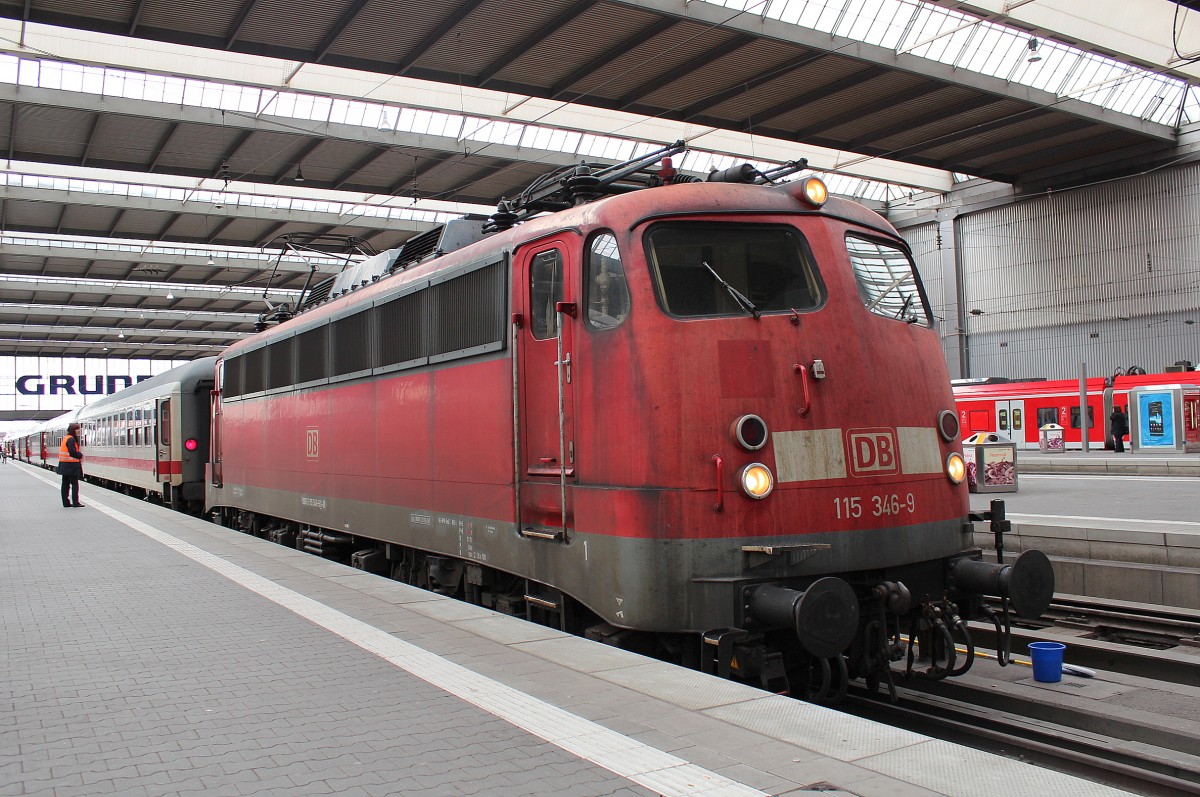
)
(152, 438)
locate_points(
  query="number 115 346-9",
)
(854, 506)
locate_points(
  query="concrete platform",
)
(150, 653)
(1130, 463)
(1124, 536)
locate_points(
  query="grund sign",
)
(38, 385)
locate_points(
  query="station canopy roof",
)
(154, 151)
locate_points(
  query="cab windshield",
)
(725, 269)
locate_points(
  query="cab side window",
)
(607, 291)
(887, 280)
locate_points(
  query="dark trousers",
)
(70, 485)
(1119, 443)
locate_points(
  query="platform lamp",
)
(299, 178)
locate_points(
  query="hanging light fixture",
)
(1033, 50)
(170, 296)
(299, 178)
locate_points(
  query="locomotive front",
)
(770, 446)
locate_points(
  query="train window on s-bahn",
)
(607, 291)
(887, 280)
(1046, 415)
(545, 290)
(1075, 417)
(726, 269)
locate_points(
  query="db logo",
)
(872, 452)
(312, 443)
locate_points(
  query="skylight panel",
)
(252, 100)
(967, 42)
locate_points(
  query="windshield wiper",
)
(737, 295)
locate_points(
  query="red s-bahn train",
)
(643, 408)
(1019, 409)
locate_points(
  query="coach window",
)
(1047, 415)
(887, 280)
(545, 291)
(1075, 417)
(607, 292)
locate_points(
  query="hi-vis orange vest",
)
(64, 453)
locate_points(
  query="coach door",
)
(1010, 420)
(546, 379)
(162, 441)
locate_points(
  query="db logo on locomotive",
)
(873, 452)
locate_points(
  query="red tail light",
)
(190, 444)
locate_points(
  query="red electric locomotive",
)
(642, 407)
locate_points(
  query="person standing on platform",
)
(1120, 427)
(70, 466)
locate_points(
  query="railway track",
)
(1114, 636)
(996, 710)
(1143, 625)
(1145, 759)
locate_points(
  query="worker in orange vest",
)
(70, 466)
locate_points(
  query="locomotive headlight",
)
(757, 481)
(815, 192)
(947, 424)
(750, 431)
(956, 468)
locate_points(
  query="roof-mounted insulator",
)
(582, 186)
(503, 219)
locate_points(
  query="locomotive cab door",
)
(546, 287)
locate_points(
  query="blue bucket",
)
(1047, 661)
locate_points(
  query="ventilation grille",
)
(461, 317)
(351, 344)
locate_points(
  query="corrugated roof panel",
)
(585, 38)
(21, 214)
(264, 153)
(125, 141)
(136, 223)
(297, 24)
(477, 42)
(928, 126)
(816, 70)
(194, 149)
(202, 17)
(640, 65)
(374, 34)
(864, 94)
(719, 73)
(114, 11)
(53, 133)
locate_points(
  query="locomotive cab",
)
(791, 471)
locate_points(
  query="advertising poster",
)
(1156, 420)
(998, 466)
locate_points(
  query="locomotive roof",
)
(621, 211)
